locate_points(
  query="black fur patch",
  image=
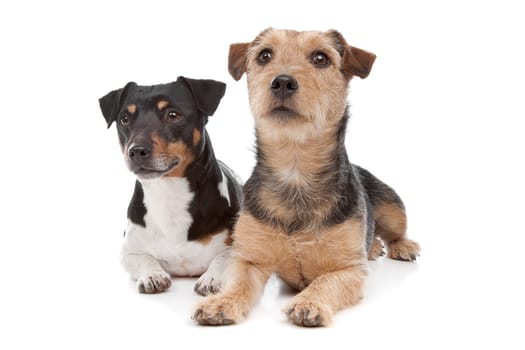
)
(377, 191)
(136, 209)
(209, 210)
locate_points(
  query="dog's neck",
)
(294, 184)
(301, 159)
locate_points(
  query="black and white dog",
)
(186, 202)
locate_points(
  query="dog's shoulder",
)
(218, 198)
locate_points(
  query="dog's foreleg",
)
(330, 292)
(211, 281)
(243, 285)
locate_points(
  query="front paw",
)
(209, 282)
(207, 285)
(218, 311)
(153, 283)
(307, 313)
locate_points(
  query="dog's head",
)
(161, 127)
(298, 79)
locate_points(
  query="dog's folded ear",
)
(237, 60)
(359, 62)
(111, 103)
(206, 93)
(354, 61)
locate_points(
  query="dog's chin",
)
(147, 173)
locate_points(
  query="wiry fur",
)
(309, 214)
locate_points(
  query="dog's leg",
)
(390, 218)
(330, 292)
(244, 283)
(141, 266)
(210, 282)
(391, 226)
(146, 270)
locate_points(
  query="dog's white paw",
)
(211, 281)
(154, 283)
(208, 283)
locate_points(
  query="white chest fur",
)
(167, 202)
(168, 219)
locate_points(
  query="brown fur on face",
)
(196, 137)
(320, 99)
(321, 96)
(167, 153)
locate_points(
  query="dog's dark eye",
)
(265, 56)
(320, 59)
(172, 116)
(124, 120)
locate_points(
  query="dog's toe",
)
(154, 283)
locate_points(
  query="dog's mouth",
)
(147, 172)
(283, 112)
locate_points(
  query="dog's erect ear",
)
(206, 93)
(112, 102)
(237, 60)
(354, 61)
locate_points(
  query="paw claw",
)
(196, 314)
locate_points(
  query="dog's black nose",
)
(283, 86)
(138, 153)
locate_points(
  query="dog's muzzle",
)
(143, 162)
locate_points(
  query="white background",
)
(440, 118)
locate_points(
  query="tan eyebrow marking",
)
(132, 108)
(162, 104)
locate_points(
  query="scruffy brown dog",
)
(309, 215)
